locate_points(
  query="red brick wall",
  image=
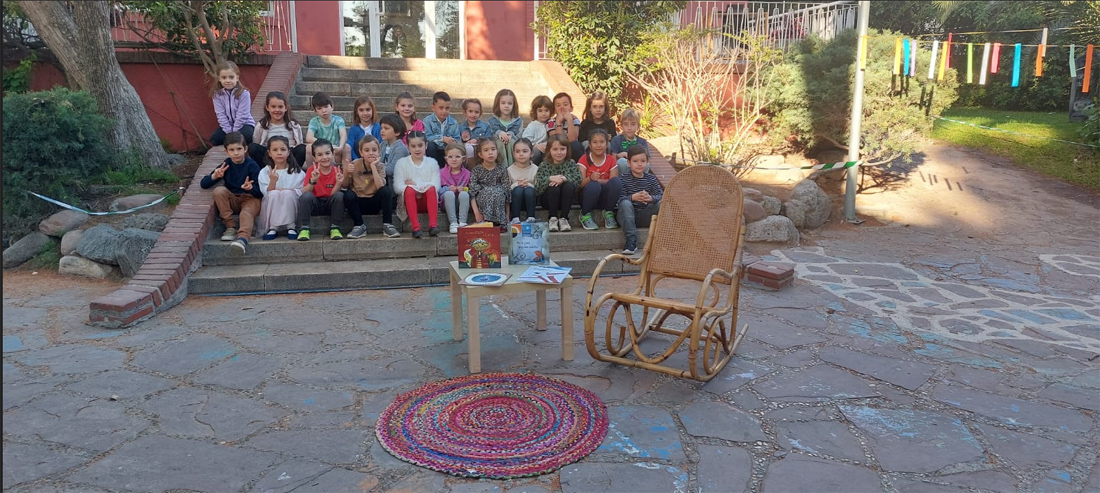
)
(319, 25)
(499, 30)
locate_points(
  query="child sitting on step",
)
(367, 190)
(489, 185)
(455, 184)
(556, 181)
(238, 193)
(281, 183)
(640, 198)
(416, 179)
(522, 174)
(321, 194)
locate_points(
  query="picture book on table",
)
(529, 243)
(486, 279)
(539, 274)
(479, 246)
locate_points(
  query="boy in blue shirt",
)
(238, 193)
(440, 127)
(640, 198)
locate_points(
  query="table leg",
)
(456, 307)
(540, 306)
(567, 323)
(474, 341)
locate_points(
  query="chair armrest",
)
(599, 269)
(708, 281)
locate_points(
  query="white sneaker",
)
(553, 224)
(230, 234)
(563, 224)
(453, 229)
(462, 225)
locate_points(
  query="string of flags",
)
(905, 58)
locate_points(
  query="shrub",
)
(18, 78)
(54, 142)
(813, 105)
(1090, 131)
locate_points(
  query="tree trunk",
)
(81, 41)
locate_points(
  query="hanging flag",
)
(897, 56)
(863, 52)
(946, 55)
(1040, 52)
(1044, 43)
(947, 51)
(996, 58)
(1016, 67)
(1088, 69)
(970, 63)
(932, 64)
(985, 64)
(1072, 62)
(913, 62)
(905, 50)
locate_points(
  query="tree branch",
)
(833, 142)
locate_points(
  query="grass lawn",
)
(1072, 163)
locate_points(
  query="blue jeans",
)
(523, 198)
(631, 216)
(601, 196)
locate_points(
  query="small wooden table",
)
(512, 286)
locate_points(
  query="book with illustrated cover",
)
(544, 274)
(479, 246)
(530, 243)
(486, 279)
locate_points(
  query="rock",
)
(62, 222)
(832, 156)
(69, 241)
(133, 247)
(25, 249)
(71, 265)
(176, 159)
(149, 221)
(809, 206)
(753, 211)
(99, 243)
(772, 228)
(752, 194)
(132, 201)
(771, 205)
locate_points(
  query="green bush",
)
(1090, 131)
(813, 105)
(18, 78)
(55, 142)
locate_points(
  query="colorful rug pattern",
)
(494, 425)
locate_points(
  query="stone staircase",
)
(321, 264)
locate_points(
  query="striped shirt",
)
(632, 185)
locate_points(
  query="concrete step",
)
(343, 105)
(364, 274)
(458, 92)
(375, 246)
(425, 64)
(433, 78)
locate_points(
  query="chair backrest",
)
(699, 224)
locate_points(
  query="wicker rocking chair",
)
(696, 236)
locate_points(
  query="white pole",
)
(857, 119)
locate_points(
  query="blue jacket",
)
(234, 177)
(480, 130)
(355, 132)
(436, 130)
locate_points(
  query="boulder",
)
(753, 211)
(71, 265)
(69, 241)
(132, 201)
(771, 205)
(176, 159)
(149, 221)
(809, 205)
(773, 229)
(752, 194)
(99, 243)
(133, 247)
(62, 222)
(25, 249)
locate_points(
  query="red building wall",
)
(499, 30)
(176, 96)
(319, 26)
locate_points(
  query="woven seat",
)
(697, 236)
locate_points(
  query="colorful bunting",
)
(905, 50)
(985, 64)
(1016, 67)
(932, 64)
(897, 56)
(1072, 62)
(970, 63)
(1088, 69)
(996, 58)
(1040, 53)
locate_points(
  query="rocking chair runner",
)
(697, 235)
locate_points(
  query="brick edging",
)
(161, 282)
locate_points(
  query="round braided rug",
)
(494, 425)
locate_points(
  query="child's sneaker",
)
(240, 244)
(417, 234)
(433, 231)
(358, 231)
(631, 246)
(271, 234)
(291, 234)
(304, 235)
(553, 224)
(335, 234)
(462, 225)
(609, 220)
(515, 220)
(587, 222)
(230, 234)
(390, 231)
(453, 228)
(563, 224)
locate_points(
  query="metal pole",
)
(857, 120)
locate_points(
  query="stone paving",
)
(938, 373)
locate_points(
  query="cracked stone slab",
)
(993, 480)
(640, 477)
(816, 383)
(25, 463)
(290, 475)
(74, 358)
(122, 383)
(784, 336)
(906, 374)
(242, 371)
(737, 372)
(1027, 449)
(797, 472)
(830, 438)
(340, 479)
(1075, 396)
(185, 356)
(92, 424)
(159, 463)
(366, 375)
(642, 431)
(303, 398)
(329, 446)
(906, 440)
(724, 469)
(720, 420)
(197, 413)
(1012, 411)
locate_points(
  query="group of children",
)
(399, 163)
